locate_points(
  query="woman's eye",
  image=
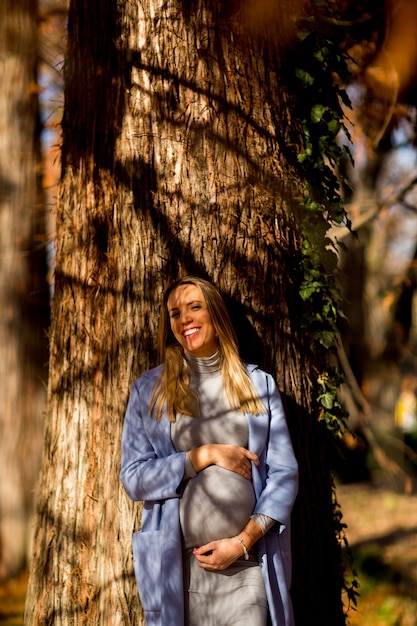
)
(174, 315)
(195, 307)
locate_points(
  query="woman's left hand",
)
(219, 554)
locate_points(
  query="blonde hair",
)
(172, 387)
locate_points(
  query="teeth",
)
(192, 331)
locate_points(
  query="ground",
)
(12, 599)
(382, 534)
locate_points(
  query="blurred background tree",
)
(378, 262)
(24, 295)
(32, 37)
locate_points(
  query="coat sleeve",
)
(281, 469)
(148, 472)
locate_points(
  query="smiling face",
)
(191, 321)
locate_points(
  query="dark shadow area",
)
(350, 458)
(250, 344)
(93, 86)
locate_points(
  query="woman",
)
(206, 447)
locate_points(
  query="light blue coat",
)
(152, 472)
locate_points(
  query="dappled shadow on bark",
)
(78, 592)
(163, 108)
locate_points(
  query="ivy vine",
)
(320, 71)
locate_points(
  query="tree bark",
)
(24, 297)
(179, 156)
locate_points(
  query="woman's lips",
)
(190, 332)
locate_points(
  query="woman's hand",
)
(233, 458)
(218, 555)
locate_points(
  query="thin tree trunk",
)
(23, 290)
(179, 156)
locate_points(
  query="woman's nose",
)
(185, 317)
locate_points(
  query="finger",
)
(245, 472)
(204, 550)
(252, 457)
(205, 561)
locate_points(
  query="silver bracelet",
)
(245, 552)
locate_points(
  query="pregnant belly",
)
(216, 504)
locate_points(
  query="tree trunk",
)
(24, 297)
(179, 156)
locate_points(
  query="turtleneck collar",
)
(204, 366)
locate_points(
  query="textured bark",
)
(23, 290)
(178, 156)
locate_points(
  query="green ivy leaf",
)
(317, 113)
(327, 400)
(306, 292)
(334, 125)
(305, 77)
(326, 338)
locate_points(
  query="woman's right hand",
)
(233, 458)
